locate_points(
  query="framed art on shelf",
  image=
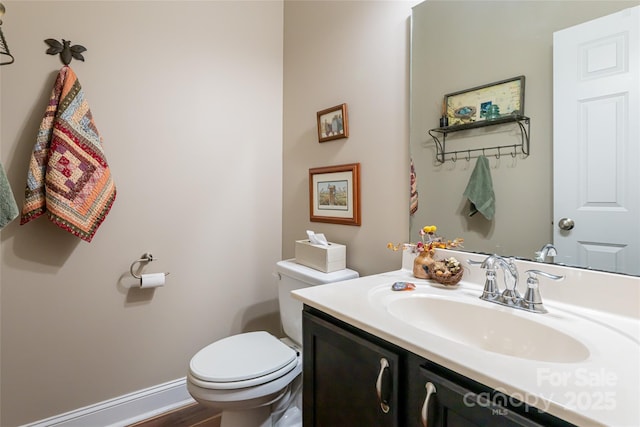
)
(485, 102)
(334, 194)
(333, 123)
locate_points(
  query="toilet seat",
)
(243, 398)
(243, 360)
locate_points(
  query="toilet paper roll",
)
(152, 280)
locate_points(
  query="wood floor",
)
(194, 415)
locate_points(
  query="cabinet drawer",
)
(454, 405)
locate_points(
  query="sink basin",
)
(489, 327)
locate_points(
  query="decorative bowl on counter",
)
(447, 272)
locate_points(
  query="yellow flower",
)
(393, 247)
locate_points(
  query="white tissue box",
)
(324, 258)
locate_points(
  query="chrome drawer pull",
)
(431, 389)
(384, 404)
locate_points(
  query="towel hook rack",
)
(147, 257)
(439, 136)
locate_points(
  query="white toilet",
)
(254, 375)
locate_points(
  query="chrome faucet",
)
(532, 301)
(545, 251)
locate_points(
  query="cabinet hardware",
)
(431, 389)
(384, 402)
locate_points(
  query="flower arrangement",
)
(448, 271)
(429, 241)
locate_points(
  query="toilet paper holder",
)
(147, 257)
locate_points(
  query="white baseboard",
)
(124, 410)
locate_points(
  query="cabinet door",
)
(348, 380)
(453, 405)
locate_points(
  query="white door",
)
(596, 140)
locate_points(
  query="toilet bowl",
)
(254, 377)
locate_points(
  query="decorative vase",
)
(421, 265)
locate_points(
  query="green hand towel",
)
(479, 190)
(8, 208)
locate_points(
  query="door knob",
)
(566, 224)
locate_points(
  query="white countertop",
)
(603, 389)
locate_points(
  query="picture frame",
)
(333, 123)
(473, 105)
(334, 194)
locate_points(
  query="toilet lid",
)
(241, 357)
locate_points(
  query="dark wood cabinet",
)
(348, 380)
(353, 378)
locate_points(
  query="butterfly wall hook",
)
(66, 51)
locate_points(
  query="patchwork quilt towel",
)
(68, 177)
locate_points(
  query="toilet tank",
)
(292, 276)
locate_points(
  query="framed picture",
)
(486, 102)
(334, 194)
(333, 123)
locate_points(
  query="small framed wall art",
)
(334, 194)
(485, 102)
(333, 123)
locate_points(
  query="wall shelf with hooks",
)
(439, 136)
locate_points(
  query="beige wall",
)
(188, 99)
(463, 44)
(354, 52)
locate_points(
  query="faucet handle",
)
(489, 263)
(491, 291)
(534, 273)
(532, 300)
(472, 262)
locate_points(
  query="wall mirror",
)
(463, 44)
